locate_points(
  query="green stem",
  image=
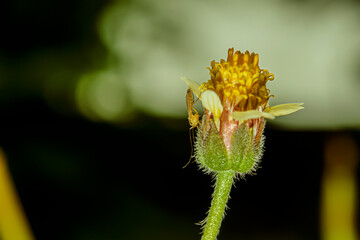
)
(224, 181)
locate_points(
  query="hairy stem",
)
(224, 181)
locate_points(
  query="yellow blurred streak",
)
(339, 190)
(13, 222)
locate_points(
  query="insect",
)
(193, 119)
(193, 114)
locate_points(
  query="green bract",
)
(211, 153)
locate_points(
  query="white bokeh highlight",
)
(313, 50)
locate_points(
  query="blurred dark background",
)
(90, 176)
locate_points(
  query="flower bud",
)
(236, 104)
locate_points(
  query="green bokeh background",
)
(93, 118)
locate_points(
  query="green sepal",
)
(244, 152)
(211, 151)
(212, 154)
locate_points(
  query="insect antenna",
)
(192, 140)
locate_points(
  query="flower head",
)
(235, 102)
(239, 82)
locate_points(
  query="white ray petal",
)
(251, 114)
(194, 86)
(284, 109)
(211, 101)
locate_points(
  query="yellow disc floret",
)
(239, 81)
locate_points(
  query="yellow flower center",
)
(239, 82)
